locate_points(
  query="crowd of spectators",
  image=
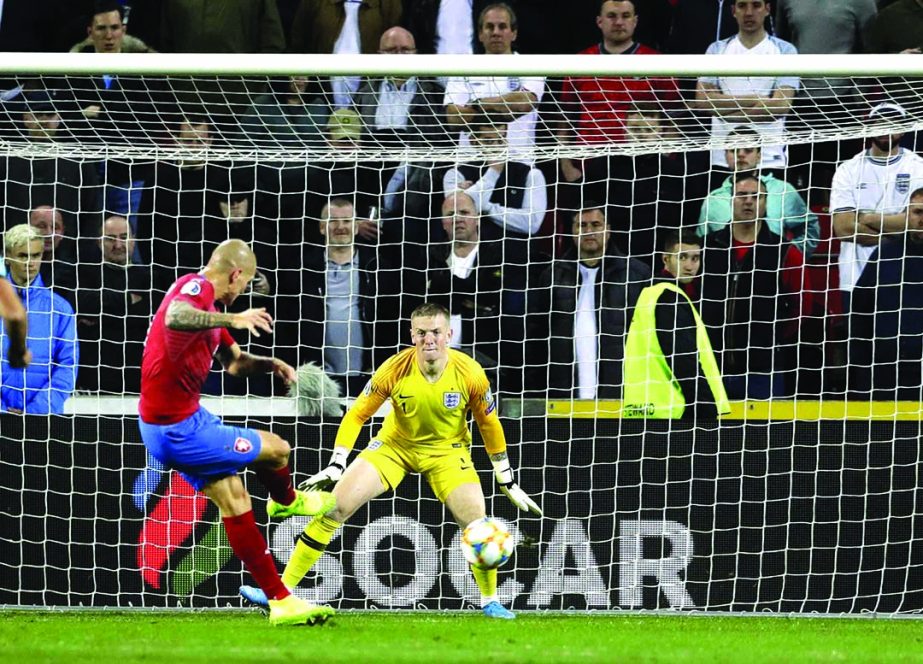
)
(799, 254)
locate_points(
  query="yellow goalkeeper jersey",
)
(427, 415)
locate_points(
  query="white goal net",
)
(597, 235)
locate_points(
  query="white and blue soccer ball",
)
(486, 543)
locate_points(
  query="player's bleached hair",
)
(18, 236)
(430, 309)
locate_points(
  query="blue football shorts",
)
(201, 447)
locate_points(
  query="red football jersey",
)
(601, 103)
(176, 362)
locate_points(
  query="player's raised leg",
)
(466, 503)
(272, 470)
(248, 544)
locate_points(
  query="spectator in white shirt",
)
(512, 198)
(500, 99)
(759, 101)
(870, 194)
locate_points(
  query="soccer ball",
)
(487, 543)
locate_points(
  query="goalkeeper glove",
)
(508, 486)
(329, 475)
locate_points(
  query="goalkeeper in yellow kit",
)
(431, 388)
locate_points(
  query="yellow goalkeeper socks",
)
(309, 548)
(487, 583)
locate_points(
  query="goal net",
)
(691, 282)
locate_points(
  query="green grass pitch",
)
(245, 636)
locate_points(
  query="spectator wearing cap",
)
(37, 114)
(758, 101)
(358, 182)
(870, 194)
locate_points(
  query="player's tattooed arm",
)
(499, 456)
(184, 316)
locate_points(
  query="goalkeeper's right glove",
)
(329, 475)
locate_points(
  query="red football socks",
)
(248, 545)
(278, 482)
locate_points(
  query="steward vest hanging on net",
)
(650, 389)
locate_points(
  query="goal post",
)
(802, 498)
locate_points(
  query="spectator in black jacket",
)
(886, 324)
(465, 275)
(115, 303)
(59, 252)
(748, 296)
(579, 314)
(336, 309)
(680, 354)
(109, 107)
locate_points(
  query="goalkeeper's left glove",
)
(329, 475)
(508, 486)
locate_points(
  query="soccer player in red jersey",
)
(187, 331)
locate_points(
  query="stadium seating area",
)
(348, 245)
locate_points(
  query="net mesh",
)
(135, 179)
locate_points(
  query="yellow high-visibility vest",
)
(650, 388)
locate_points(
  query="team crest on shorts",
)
(451, 399)
(374, 445)
(242, 445)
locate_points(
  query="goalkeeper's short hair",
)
(430, 309)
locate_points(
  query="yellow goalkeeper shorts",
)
(445, 470)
